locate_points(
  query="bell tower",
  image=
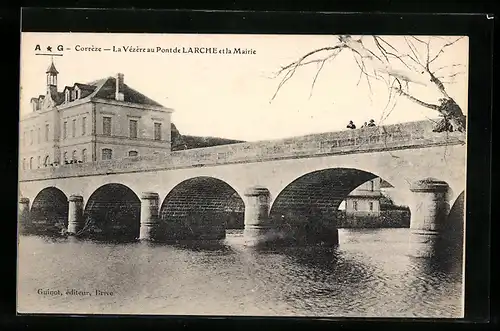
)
(51, 78)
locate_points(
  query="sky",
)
(229, 95)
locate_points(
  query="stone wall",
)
(199, 208)
(392, 137)
(398, 218)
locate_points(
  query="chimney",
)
(119, 87)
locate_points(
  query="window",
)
(106, 126)
(133, 128)
(73, 128)
(65, 157)
(65, 130)
(46, 132)
(355, 205)
(31, 137)
(31, 162)
(107, 154)
(372, 186)
(47, 161)
(24, 164)
(371, 206)
(25, 140)
(73, 156)
(39, 163)
(157, 131)
(133, 153)
(77, 94)
(84, 126)
(84, 155)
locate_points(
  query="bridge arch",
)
(455, 222)
(313, 200)
(320, 189)
(113, 212)
(49, 210)
(202, 207)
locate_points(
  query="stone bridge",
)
(289, 189)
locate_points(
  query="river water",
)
(368, 275)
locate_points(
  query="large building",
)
(100, 120)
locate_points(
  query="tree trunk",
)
(453, 114)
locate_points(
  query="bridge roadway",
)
(288, 188)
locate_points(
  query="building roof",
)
(181, 142)
(85, 86)
(189, 142)
(385, 184)
(52, 69)
(105, 89)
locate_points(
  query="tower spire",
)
(51, 76)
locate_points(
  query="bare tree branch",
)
(362, 69)
(452, 75)
(299, 61)
(316, 77)
(449, 66)
(292, 67)
(442, 49)
(419, 40)
(387, 54)
(420, 102)
(376, 63)
(411, 47)
(382, 50)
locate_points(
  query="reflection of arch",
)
(113, 211)
(312, 201)
(454, 226)
(319, 191)
(50, 209)
(203, 200)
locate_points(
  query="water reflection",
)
(202, 245)
(368, 275)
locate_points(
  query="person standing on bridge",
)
(351, 125)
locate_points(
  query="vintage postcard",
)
(258, 175)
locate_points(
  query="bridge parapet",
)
(372, 139)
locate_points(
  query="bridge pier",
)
(149, 215)
(258, 227)
(24, 212)
(431, 208)
(75, 214)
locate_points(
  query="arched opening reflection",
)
(49, 212)
(310, 204)
(112, 213)
(201, 208)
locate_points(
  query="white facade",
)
(91, 122)
(364, 200)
